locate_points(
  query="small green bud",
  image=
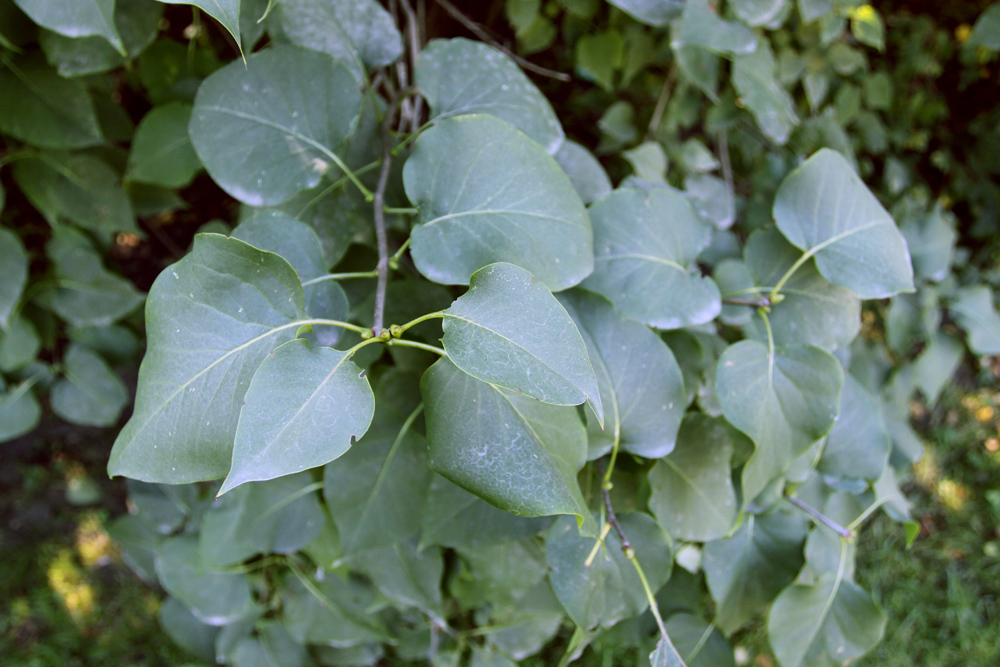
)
(777, 298)
(396, 331)
(384, 334)
(366, 334)
(629, 551)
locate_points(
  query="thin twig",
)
(478, 31)
(820, 517)
(379, 214)
(762, 302)
(413, 42)
(661, 103)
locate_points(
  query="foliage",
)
(667, 371)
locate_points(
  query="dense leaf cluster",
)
(460, 391)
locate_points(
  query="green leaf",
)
(510, 331)
(459, 76)
(584, 171)
(736, 283)
(45, 110)
(361, 34)
(13, 274)
(784, 399)
(407, 576)
(499, 575)
(271, 127)
(830, 623)
(599, 56)
(639, 380)
(699, 66)
(770, 104)
(745, 571)
(489, 657)
(331, 612)
(701, 26)
(810, 10)
(77, 188)
(211, 319)
(931, 241)
(644, 247)
(712, 198)
(226, 12)
(282, 516)
(867, 26)
(86, 293)
(519, 454)
(665, 655)
(692, 493)
(814, 311)
(822, 207)
(186, 630)
(137, 22)
(610, 589)
(649, 162)
(858, 444)
(455, 518)
(215, 598)
(90, 393)
(700, 643)
(986, 31)
(524, 628)
(19, 345)
(974, 311)
(81, 18)
(937, 364)
(162, 508)
(299, 245)
(758, 12)
(656, 13)
(161, 149)
(378, 490)
(303, 408)
(487, 193)
(19, 411)
(273, 646)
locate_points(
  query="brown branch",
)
(479, 32)
(379, 213)
(413, 42)
(762, 302)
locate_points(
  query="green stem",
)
(788, 274)
(394, 260)
(853, 526)
(821, 518)
(597, 545)
(392, 210)
(287, 500)
(770, 334)
(14, 157)
(606, 480)
(402, 144)
(341, 276)
(419, 346)
(653, 607)
(422, 318)
(331, 323)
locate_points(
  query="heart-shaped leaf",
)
(213, 317)
(701, 26)
(161, 149)
(770, 104)
(644, 246)
(304, 407)
(487, 81)
(785, 400)
(90, 393)
(639, 379)
(361, 34)
(692, 492)
(745, 571)
(87, 294)
(519, 454)
(823, 208)
(510, 331)
(814, 310)
(487, 193)
(378, 490)
(610, 589)
(827, 623)
(266, 129)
